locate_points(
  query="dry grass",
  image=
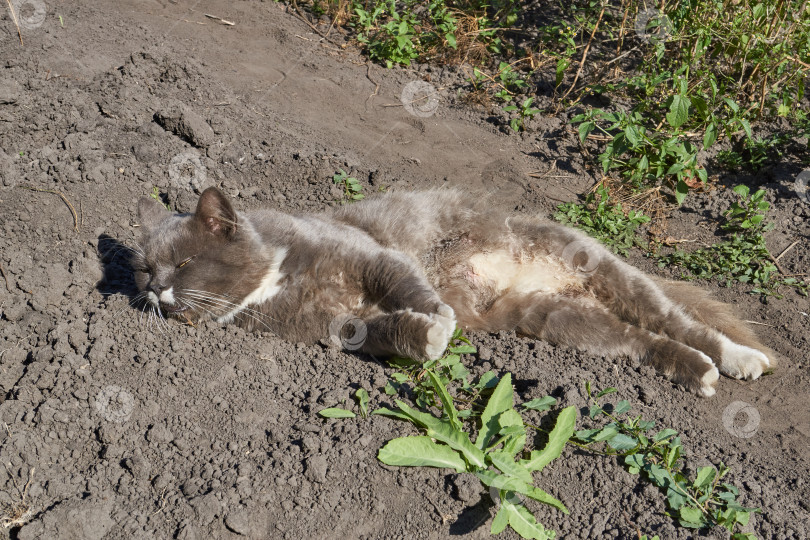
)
(18, 513)
(650, 202)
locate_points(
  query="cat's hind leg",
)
(584, 324)
(741, 356)
(641, 300)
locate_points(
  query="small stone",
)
(316, 467)
(187, 125)
(159, 434)
(238, 522)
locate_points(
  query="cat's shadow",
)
(117, 274)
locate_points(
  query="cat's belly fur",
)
(500, 271)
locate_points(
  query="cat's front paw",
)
(709, 379)
(741, 362)
(440, 330)
(446, 317)
(697, 372)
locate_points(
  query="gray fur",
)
(397, 264)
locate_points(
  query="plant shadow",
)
(473, 517)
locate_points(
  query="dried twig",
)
(303, 18)
(761, 323)
(64, 199)
(585, 52)
(223, 21)
(375, 83)
(776, 262)
(786, 250)
(16, 23)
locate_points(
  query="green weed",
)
(495, 456)
(642, 156)
(697, 503)
(525, 112)
(399, 32)
(510, 82)
(350, 185)
(755, 153)
(159, 198)
(605, 221)
(448, 369)
(362, 398)
(744, 257)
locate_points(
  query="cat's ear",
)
(150, 212)
(215, 213)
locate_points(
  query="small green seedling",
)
(350, 185)
(336, 412)
(525, 111)
(159, 198)
(362, 398)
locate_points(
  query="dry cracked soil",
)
(114, 427)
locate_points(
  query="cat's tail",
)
(715, 314)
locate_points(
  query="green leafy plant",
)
(700, 502)
(748, 214)
(494, 457)
(159, 197)
(362, 398)
(398, 33)
(755, 153)
(605, 221)
(351, 186)
(745, 256)
(497, 457)
(510, 82)
(525, 112)
(487, 437)
(448, 369)
(643, 156)
(558, 42)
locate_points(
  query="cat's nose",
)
(157, 288)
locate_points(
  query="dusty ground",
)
(114, 428)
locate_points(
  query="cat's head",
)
(199, 265)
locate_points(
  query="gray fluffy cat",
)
(404, 269)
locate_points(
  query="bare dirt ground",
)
(111, 427)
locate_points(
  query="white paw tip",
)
(437, 340)
(707, 382)
(741, 362)
(446, 311)
(446, 317)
